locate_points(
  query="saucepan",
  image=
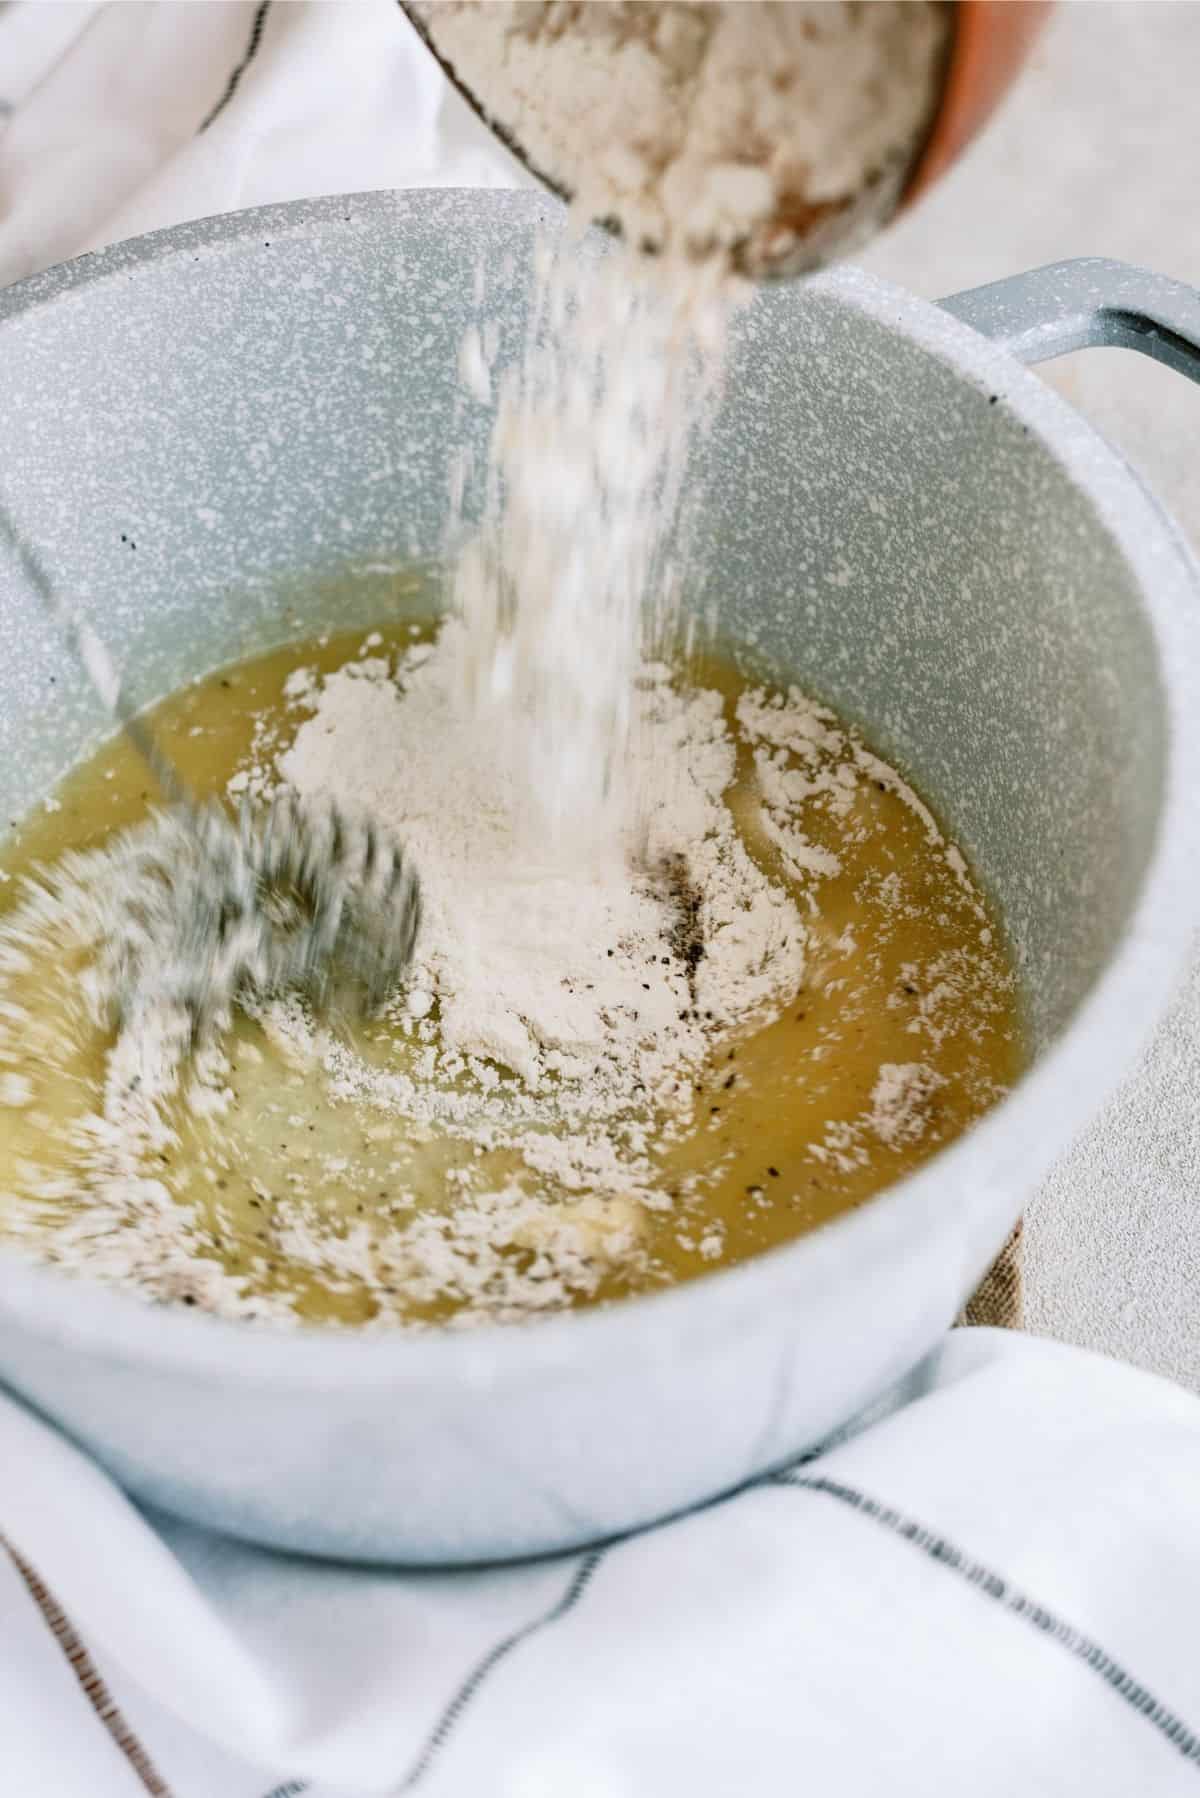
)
(207, 428)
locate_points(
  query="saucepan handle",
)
(1086, 303)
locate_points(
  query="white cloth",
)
(103, 112)
(992, 1589)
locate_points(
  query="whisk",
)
(297, 896)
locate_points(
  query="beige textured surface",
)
(1097, 153)
(1000, 1298)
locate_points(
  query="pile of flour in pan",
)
(601, 977)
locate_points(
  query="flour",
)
(899, 1114)
(696, 125)
(804, 757)
(606, 976)
(900, 1101)
(770, 133)
(572, 578)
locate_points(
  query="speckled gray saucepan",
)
(202, 427)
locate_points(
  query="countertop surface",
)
(1097, 153)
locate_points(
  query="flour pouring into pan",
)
(697, 969)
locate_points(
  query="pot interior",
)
(202, 437)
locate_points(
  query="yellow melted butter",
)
(906, 964)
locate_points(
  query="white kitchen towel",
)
(120, 118)
(992, 1590)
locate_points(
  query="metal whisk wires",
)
(294, 897)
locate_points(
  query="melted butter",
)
(906, 965)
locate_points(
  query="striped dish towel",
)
(990, 1589)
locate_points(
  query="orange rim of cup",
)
(992, 39)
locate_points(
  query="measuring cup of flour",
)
(773, 135)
